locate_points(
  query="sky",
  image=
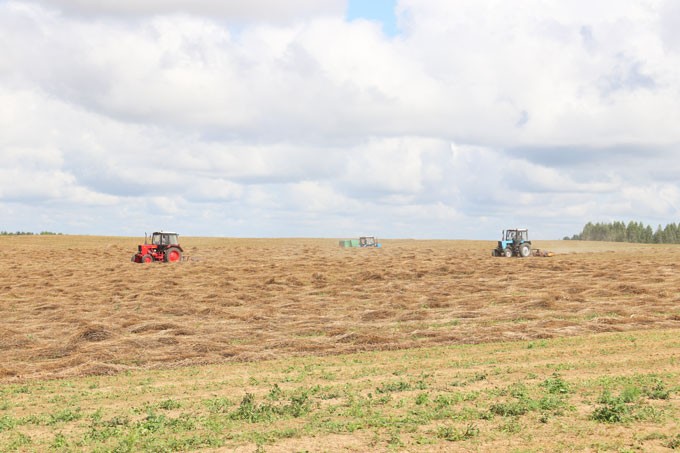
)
(448, 119)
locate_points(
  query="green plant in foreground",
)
(453, 435)
(59, 442)
(395, 441)
(673, 443)
(555, 385)
(657, 391)
(169, 404)
(65, 415)
(422, 398)
(249, 410)
(511, 408)
(7, 423)
(19, 440)
(218, 405)
(613, 409)
(388, 387)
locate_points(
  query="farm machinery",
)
(163, 247)
(516, 243)
(363, 241)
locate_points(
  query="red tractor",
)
(164, 247)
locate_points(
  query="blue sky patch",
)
(376, 10)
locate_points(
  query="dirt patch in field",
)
(74, 306)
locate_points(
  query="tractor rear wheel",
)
(524, 250)
(147, 258)
(173, 255)
(508, 252)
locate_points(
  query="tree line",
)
(635, 232)
(26, 233)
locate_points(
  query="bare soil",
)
(75, 306)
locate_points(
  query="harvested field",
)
(73, 306)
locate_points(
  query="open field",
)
(73, 306)
(616, 392)
(421, 345)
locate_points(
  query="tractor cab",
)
(165, 239)
(516, 235)
(368, 241)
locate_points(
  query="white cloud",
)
(38, 186)
(226, 115)
(312, 196)
(669, 13)
(392, 166)
(501, 59)
(252, 10)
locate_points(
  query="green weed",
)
(218, 405)
(657, 391)
(18, 441)
(65, 415)
(7, 423)
(452, 434)
(555, 385)
(59, 442)
(169, 404)
(394, 440)
(249, 410)
(673, 443)
(422, 398)
(537, 344)
(389, 387)
(612, 409)
(510, 409)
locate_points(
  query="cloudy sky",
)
(338, 118)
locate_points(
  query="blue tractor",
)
(513, 243)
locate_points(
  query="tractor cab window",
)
(164, 239)
(367, 241)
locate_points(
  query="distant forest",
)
(26, 233)
(633, 232)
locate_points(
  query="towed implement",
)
(163, 247)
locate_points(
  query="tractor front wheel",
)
(508, 252)
(173, 255)
(147, 258)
